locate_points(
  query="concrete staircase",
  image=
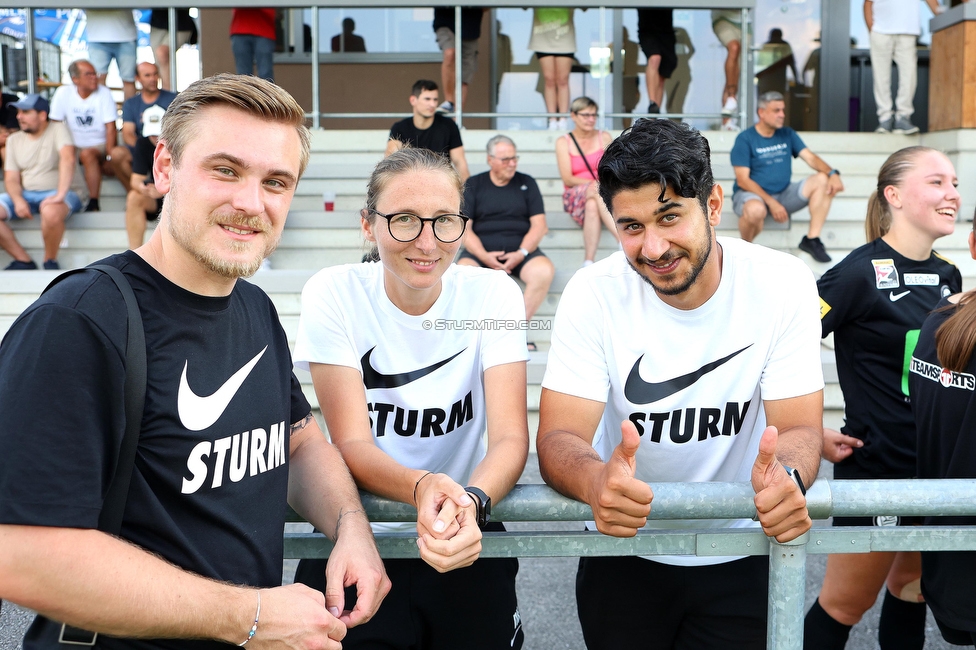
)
(342, 160)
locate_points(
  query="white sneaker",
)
(553, 124)
(729, 124)
(446, 107)
(731, 106)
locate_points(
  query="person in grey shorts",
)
(762, 160)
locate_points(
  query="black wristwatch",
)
(795, 475)
(484, 504)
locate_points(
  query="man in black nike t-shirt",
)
(226, 434)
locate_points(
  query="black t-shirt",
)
(944, 404)
(470, 21)
(500, 215)
(655, 21)
(184, 22)
(442, 135)
(875, 301)
(210, 481)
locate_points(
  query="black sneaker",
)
(815, 248)
(93, 206)
(17, 265)
(52, 265)
(653, 108)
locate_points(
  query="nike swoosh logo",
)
(372, 378)
(896, 297)
(638, 391)
(198, 413)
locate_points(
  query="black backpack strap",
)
(110, 519)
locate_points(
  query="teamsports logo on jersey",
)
(885, 274)
(922, 279)
(948, 378)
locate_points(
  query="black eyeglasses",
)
(406, 227)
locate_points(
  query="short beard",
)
(211, 259)
(704, 252)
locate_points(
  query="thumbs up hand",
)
(620, 502)
(781, 506)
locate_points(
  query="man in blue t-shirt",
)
(763, 170)
(147, 74)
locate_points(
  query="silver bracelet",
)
(254, 628)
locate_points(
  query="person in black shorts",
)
(508, 221)
(143, 202)
(655, 31)
(942, 382)
(874, 301)
(428, 129)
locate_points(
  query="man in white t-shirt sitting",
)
(88, 110)
(894, 27)
(684, 357)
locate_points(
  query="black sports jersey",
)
(874, 301)
(500, 215)
(944, 404)
(210, 480)
(441, 136)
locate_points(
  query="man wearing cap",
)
(143, 202)
(88, 110)
(41, 176)
(147, 74)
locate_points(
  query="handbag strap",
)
(110, 519)
(580, 149)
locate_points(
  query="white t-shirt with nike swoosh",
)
(424, 375)
(692, 381)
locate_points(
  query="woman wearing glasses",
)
(407, 389)
(578, 153)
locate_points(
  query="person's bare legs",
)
(53, 216)
(162, 62)
(654, 80)
(8, 241)
(128, 87)
(122, 166)
(447, 77)
(537, 274)
(734, 49)
(564, 66)
(91, 159)
(136, 207)
(851, 584)
(820, 202)
(548, 66)
(591, 231)
(752, 219)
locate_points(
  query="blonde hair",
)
(408, 159)
(251, 95)
(877, 222)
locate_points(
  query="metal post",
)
(787, 582)
(603, 75)
(493, 68)
(618, 67)
(31, 68)
(173, 26)
(458, 50)
(316, 108)
(745, 69)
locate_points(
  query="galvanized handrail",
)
(689, 501)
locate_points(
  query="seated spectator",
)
(428, 129)
(147, 74)
(112, 34)
(348, 41)
(508, 221)
(41, 177)
(577, 154)
(8, 119)
(88, 110)
(143, 202)
(761, 158)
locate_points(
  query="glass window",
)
(375, 30)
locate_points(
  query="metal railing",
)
(787, 562)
